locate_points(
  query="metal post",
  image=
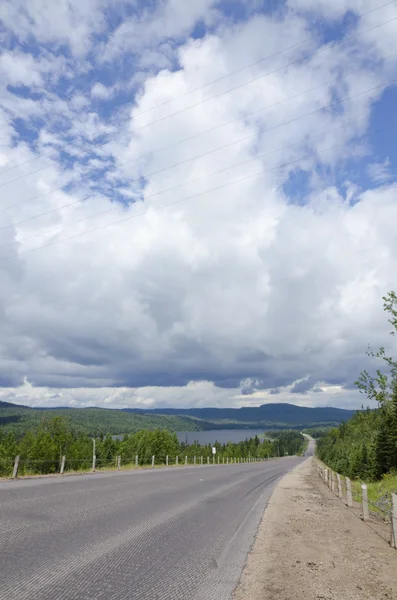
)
(208, 460)
(16, 465)
(153, 457)
(218, 459)
(364, 494)
(201, 459)
(166, 461)
(61, 470)
(394, 521)
(177, 460)
(349, 495)
(223, 460)
(339, 485)
(118, 462)
(136, 460)
(185, 460)
(93, 456)
(194, 460)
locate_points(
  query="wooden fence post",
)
(61, 470)
(326, 476)
(394, 521)
(349, 495)
(364, 495)
(185, 460)
(153, 457)
(16, 465)
(339, 485)
(177, 460)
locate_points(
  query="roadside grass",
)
(379, 492)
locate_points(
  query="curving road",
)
(170, 534)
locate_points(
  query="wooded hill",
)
(96, 421)
(93, 421)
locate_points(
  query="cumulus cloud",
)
(214, 242)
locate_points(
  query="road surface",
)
(170, 534)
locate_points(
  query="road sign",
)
(213, 450)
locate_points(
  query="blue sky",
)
(196, 199)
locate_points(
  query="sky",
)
(197, 200)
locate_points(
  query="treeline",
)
(317, 432)
(91, 421)
(42, 452)
(365, 447)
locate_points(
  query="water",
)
(223, 436)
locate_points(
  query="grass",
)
(379, 492)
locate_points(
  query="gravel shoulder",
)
(311, 546)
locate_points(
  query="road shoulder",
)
(310, 546)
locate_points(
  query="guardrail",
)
(356, 494)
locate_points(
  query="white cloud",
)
(380, 172)
(71, 22)
(196, 394)
(173, 19)
(99, 90)
(222, 278)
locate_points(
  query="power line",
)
(268, 57)
(188, 182)
(175, 202)
(139, 157)
(204, 101)
(207, 153)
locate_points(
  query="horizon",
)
(197, 201)
(61, 407)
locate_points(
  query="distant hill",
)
(265, 415)
(96, 421)
(9, 405)
(93, 421)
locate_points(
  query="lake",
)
(218, 435)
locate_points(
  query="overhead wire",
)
(353, 19)
(189, 138)
(203, 101)
(167, 205)
(182, 184)
(208, 152)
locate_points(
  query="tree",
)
(380, 387)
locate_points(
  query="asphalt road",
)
(177, 533)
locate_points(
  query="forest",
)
(92, 421)
(41, 452)
(365, 447)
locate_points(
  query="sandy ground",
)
(311, 546)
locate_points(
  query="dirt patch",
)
(311, 546)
